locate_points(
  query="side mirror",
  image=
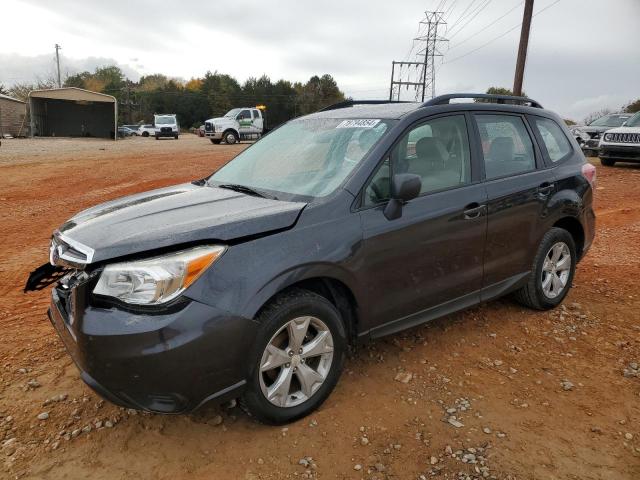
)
(404, 187)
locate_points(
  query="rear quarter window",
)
(554, 139)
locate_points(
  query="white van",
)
(166, 125)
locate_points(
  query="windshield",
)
(634, 121)
(610, 121)
(165, 120)
(308, 157)
(233, 113)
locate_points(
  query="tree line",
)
(198, 99)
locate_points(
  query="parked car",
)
(133, 128)
(237, 124)
(125, 132)
(146, 130)
(621, 144)
(588, 136)
(355, 222)
(166, 125)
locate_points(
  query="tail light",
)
(589, 172)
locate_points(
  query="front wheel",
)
(145, 134)
(607, 162)
(552, 271)
(230, 137)
(300, 351)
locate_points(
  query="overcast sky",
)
(583, 54)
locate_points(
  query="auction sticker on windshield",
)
(363, 123)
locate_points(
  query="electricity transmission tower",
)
(420, 76)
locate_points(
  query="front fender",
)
(297, 274)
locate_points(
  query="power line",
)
(471, 16)
(462, 15)
(499, 36)
(486, 26)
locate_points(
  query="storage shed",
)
(12, 113)
(73, 112)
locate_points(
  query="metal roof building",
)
(12, 113)
(73, 112)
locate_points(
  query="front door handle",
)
(473, 210)
(545, 189)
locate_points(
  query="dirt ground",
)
(538, 395)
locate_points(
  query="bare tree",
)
(595, 115)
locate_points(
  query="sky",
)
(583, 55)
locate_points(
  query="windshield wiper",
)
(244, 189)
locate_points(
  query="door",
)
(517, 190)
(432, 254)
(245, 122)
(257, 124)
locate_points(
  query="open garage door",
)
(73, 112)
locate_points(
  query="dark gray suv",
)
(358, 221)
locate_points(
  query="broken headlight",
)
(156, 280)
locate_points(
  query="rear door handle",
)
(546, 188)
(473, 210)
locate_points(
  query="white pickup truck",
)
(237, 124)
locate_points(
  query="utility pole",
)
(58, 47)
(522, 49)
(420, 75)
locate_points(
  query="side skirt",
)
(488, 293)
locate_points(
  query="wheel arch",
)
(574, 227)
(335, 290)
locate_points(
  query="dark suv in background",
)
(358, 221)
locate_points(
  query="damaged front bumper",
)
(166, 361)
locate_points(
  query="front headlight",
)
(156, 280)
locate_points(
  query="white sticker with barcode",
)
(362, 123)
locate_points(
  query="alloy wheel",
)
(296, 361)
(556, 270)
(230, 139)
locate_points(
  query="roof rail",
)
(445, 99)
(351, 103)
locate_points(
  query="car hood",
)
(624, 130)
(173, 216)
(589, 129)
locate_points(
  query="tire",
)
(273, 341)
(157, 137)
(145, 134)
(607, 162)
(545, 265)
(176, 136)
(215, 141)
(230, 137)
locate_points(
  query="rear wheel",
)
(607, 162)
(145, 134)
(175, 136)
(157, 137)
(298, 359)
(552, 272)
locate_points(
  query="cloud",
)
(575, 54)
(26, 69)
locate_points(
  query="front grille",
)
(623, 137)
(208, 127)
(165, 129)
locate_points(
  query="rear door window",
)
(506, 145)
(554, 139)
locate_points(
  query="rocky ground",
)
(497, 391)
